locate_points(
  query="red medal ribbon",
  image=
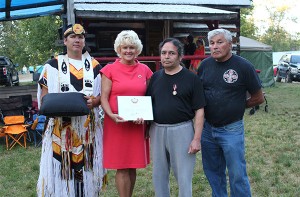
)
(174, 87)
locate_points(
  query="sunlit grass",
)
(272, 153)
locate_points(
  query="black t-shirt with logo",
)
(225, 85)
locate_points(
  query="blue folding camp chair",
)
(38, 128)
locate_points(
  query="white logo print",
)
(230, 76)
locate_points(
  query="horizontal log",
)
(5, 92)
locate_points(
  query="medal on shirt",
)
(174, 89)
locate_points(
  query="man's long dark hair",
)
(176, 43)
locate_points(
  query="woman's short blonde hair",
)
(128, 37)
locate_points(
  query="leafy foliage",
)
(30, 41)
(9, 38)
(248, 28)
(277, 34)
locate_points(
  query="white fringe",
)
(93, 180)
(77, 124)
(98, 169)
(89, 188)
(57, 178)
(62, 187)
(50, 182)
(45, 185)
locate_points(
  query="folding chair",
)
(26, 105)
(1, 116)
(14, 105)
(15, 130)
(2, 134)
(37, 128)
(11, 106)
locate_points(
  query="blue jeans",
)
(224, 147)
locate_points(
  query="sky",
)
(261, 14)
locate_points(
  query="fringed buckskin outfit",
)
(71, 160)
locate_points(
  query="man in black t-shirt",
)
(226, 79)
(178, 99)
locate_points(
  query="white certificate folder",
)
(133, 107)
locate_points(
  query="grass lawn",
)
(272, 153)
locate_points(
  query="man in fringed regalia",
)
(71, 160)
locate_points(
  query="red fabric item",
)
(124, 144)
(196, 63)
(35, 105)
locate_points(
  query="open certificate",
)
(133, 107)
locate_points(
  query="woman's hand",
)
(116, 118)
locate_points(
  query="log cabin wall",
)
(154, 21)
(101, 35)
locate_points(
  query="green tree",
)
(9, 40)
(248, 27)
(276, 34)
(295, 44)
(30, 41)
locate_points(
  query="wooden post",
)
(70, 12)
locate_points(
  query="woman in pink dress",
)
(125, 147)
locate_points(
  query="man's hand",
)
(92, 101)
(194, 146)
(89, 101)
(255, 99)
